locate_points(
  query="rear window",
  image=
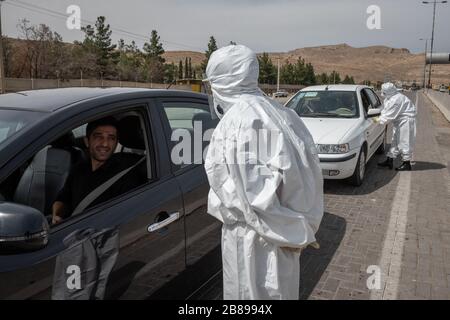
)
(325, 104)
(12, 121)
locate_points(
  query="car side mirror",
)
(22, 229)
(373, 113)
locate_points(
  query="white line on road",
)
(391, 255)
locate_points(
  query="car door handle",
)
(158, 225)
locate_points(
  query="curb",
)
(438, 105)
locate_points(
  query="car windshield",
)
(12, 121)
(325, 104)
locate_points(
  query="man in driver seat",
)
(102, 165)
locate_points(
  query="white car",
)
(341, 121)
(443, 88)
(280, 94)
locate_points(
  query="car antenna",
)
(326, 88)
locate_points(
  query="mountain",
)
(372, 63)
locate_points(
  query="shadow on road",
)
(423, 166)
(375, 179)
(203, 280)
(313, 263)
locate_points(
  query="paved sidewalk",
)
(397, 221)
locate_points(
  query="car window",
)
(327, 103)
(192, 126)
(373, 99)
(12, 121)
(63, 169)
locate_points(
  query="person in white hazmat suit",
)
(269, 201)
(399, 110)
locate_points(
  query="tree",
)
(190, 68)
(130, 62)
(299, 71)
(267, 71)
(98, 41)
(334, 78)
(154, 61)
(44, 52)
(323, 78)
(180, 70)
(186, 68)
(348, 80)
(310, 77)
(169, 73)
(212, 46)
(7, 56)
(287, 74)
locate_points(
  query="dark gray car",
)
(129, 246)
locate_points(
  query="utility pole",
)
(2, 65)
(425, 64)
(278, 76)
(432, 37)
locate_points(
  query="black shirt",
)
(82, 180)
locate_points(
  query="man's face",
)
(102, 142)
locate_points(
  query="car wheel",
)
(382, 148)
(360, 170)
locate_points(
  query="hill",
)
(372, 63)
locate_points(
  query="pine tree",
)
(186, 68)
(348, 80)
(190, 68)
(267, 71)
(335, 78)
(323, 78)
(212, 46)
(180, 70)
(310, 77)
(153, 52)
(287, 74)
(98, 42)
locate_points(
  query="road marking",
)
(391, 255)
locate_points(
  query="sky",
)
(263, 25)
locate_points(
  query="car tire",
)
(360, 170)
(382, 148)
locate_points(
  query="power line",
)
(56, 14)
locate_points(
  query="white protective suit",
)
(270, 203)
(399, 110)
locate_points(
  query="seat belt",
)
(94, 194)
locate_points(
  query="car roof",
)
(49, 100)
(335, 87)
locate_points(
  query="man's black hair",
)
(107, 121)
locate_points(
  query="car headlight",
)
(333, 148)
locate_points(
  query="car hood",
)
(329, 131)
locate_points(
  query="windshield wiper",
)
(318, 114)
